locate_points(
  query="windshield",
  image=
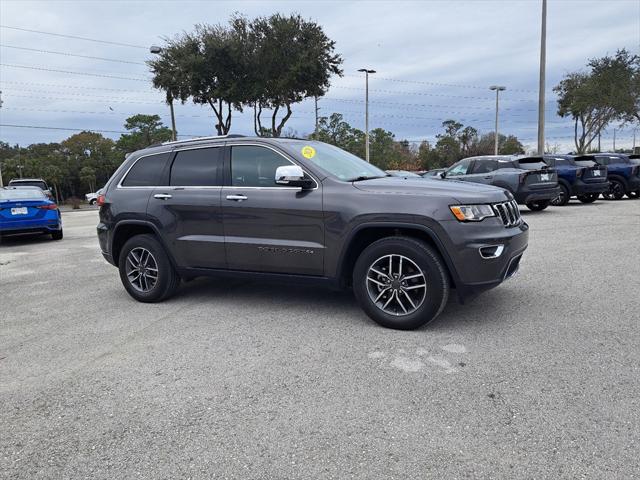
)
(338, 163)
(28, 183)
(615, 159)
(21, 194)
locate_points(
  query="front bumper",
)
(526, 195)
(474, 271)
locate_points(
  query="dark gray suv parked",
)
(303, 210)
(529, 179)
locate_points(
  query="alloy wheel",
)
(396, 285)
(142, 269)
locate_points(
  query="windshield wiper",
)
(364, 177)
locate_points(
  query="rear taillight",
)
(50, 206)
(522, 177)
(100, 200)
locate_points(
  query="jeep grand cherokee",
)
(304, 210)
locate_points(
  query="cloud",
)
(434, 61)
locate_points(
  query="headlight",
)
(472, 213)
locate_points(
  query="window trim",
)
(255, 144)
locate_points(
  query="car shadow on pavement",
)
(491, 307)
(26, 239)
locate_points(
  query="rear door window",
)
(200, 167)
(531, 164)
(485, 166)
(147, 171)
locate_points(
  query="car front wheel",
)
(563, 198)
(401, 282)
(538, 206)
(145, 270)
(616, 190)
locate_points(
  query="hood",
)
(461, 192)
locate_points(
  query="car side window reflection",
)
(253, 166)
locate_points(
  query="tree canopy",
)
(267, 63)
(608, 92)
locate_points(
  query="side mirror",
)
(292, 176)
(443, 174)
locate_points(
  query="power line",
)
(71, 129)
(67, 54)
(74, 37)
(101, 75)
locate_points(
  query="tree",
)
(294, 60)
(609, 92)
(145, 130)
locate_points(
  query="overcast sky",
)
(435, 61)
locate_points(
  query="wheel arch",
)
(126, 229)
(364, 235)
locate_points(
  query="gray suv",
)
(529, 179)
(288, 209)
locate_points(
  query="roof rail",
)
(195, 139)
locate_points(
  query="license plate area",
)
(19, 211)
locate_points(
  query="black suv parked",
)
(529, 179)
(307, 211)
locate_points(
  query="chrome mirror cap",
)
(288, 174)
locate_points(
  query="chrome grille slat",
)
(508, 212)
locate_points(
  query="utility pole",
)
(498, 89)
(614, 140)
(316, 110)
(366, 111)
(633, 150)
(543, 60)
(157, 51)
(599, 142)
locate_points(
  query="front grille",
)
(508, 212)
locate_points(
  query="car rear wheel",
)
(616, 190)
(563, 198)
(57, 235)
(538, 206)
(145, 270)
(401, 283)
(93, 201)
(588, 198)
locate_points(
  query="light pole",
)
(633, 150)
(366, 111)
(543, 61)
(157, 51)
(498, 89)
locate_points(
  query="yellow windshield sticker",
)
(308, 152)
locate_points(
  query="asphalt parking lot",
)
(538, 378)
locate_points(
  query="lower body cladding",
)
(486, 258)
(529, 195)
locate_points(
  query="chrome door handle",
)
(236, 198)
(162, 196)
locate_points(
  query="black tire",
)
(588, 198)
(635, 194)
(57, 235)
(562, 199)
(93, 201)
(538, 206)
(415, 254)
(167, 280)
(616, 190)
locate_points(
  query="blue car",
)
(578, 176)
(624, 175)
(28, 210)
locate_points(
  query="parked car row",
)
(540, 181)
